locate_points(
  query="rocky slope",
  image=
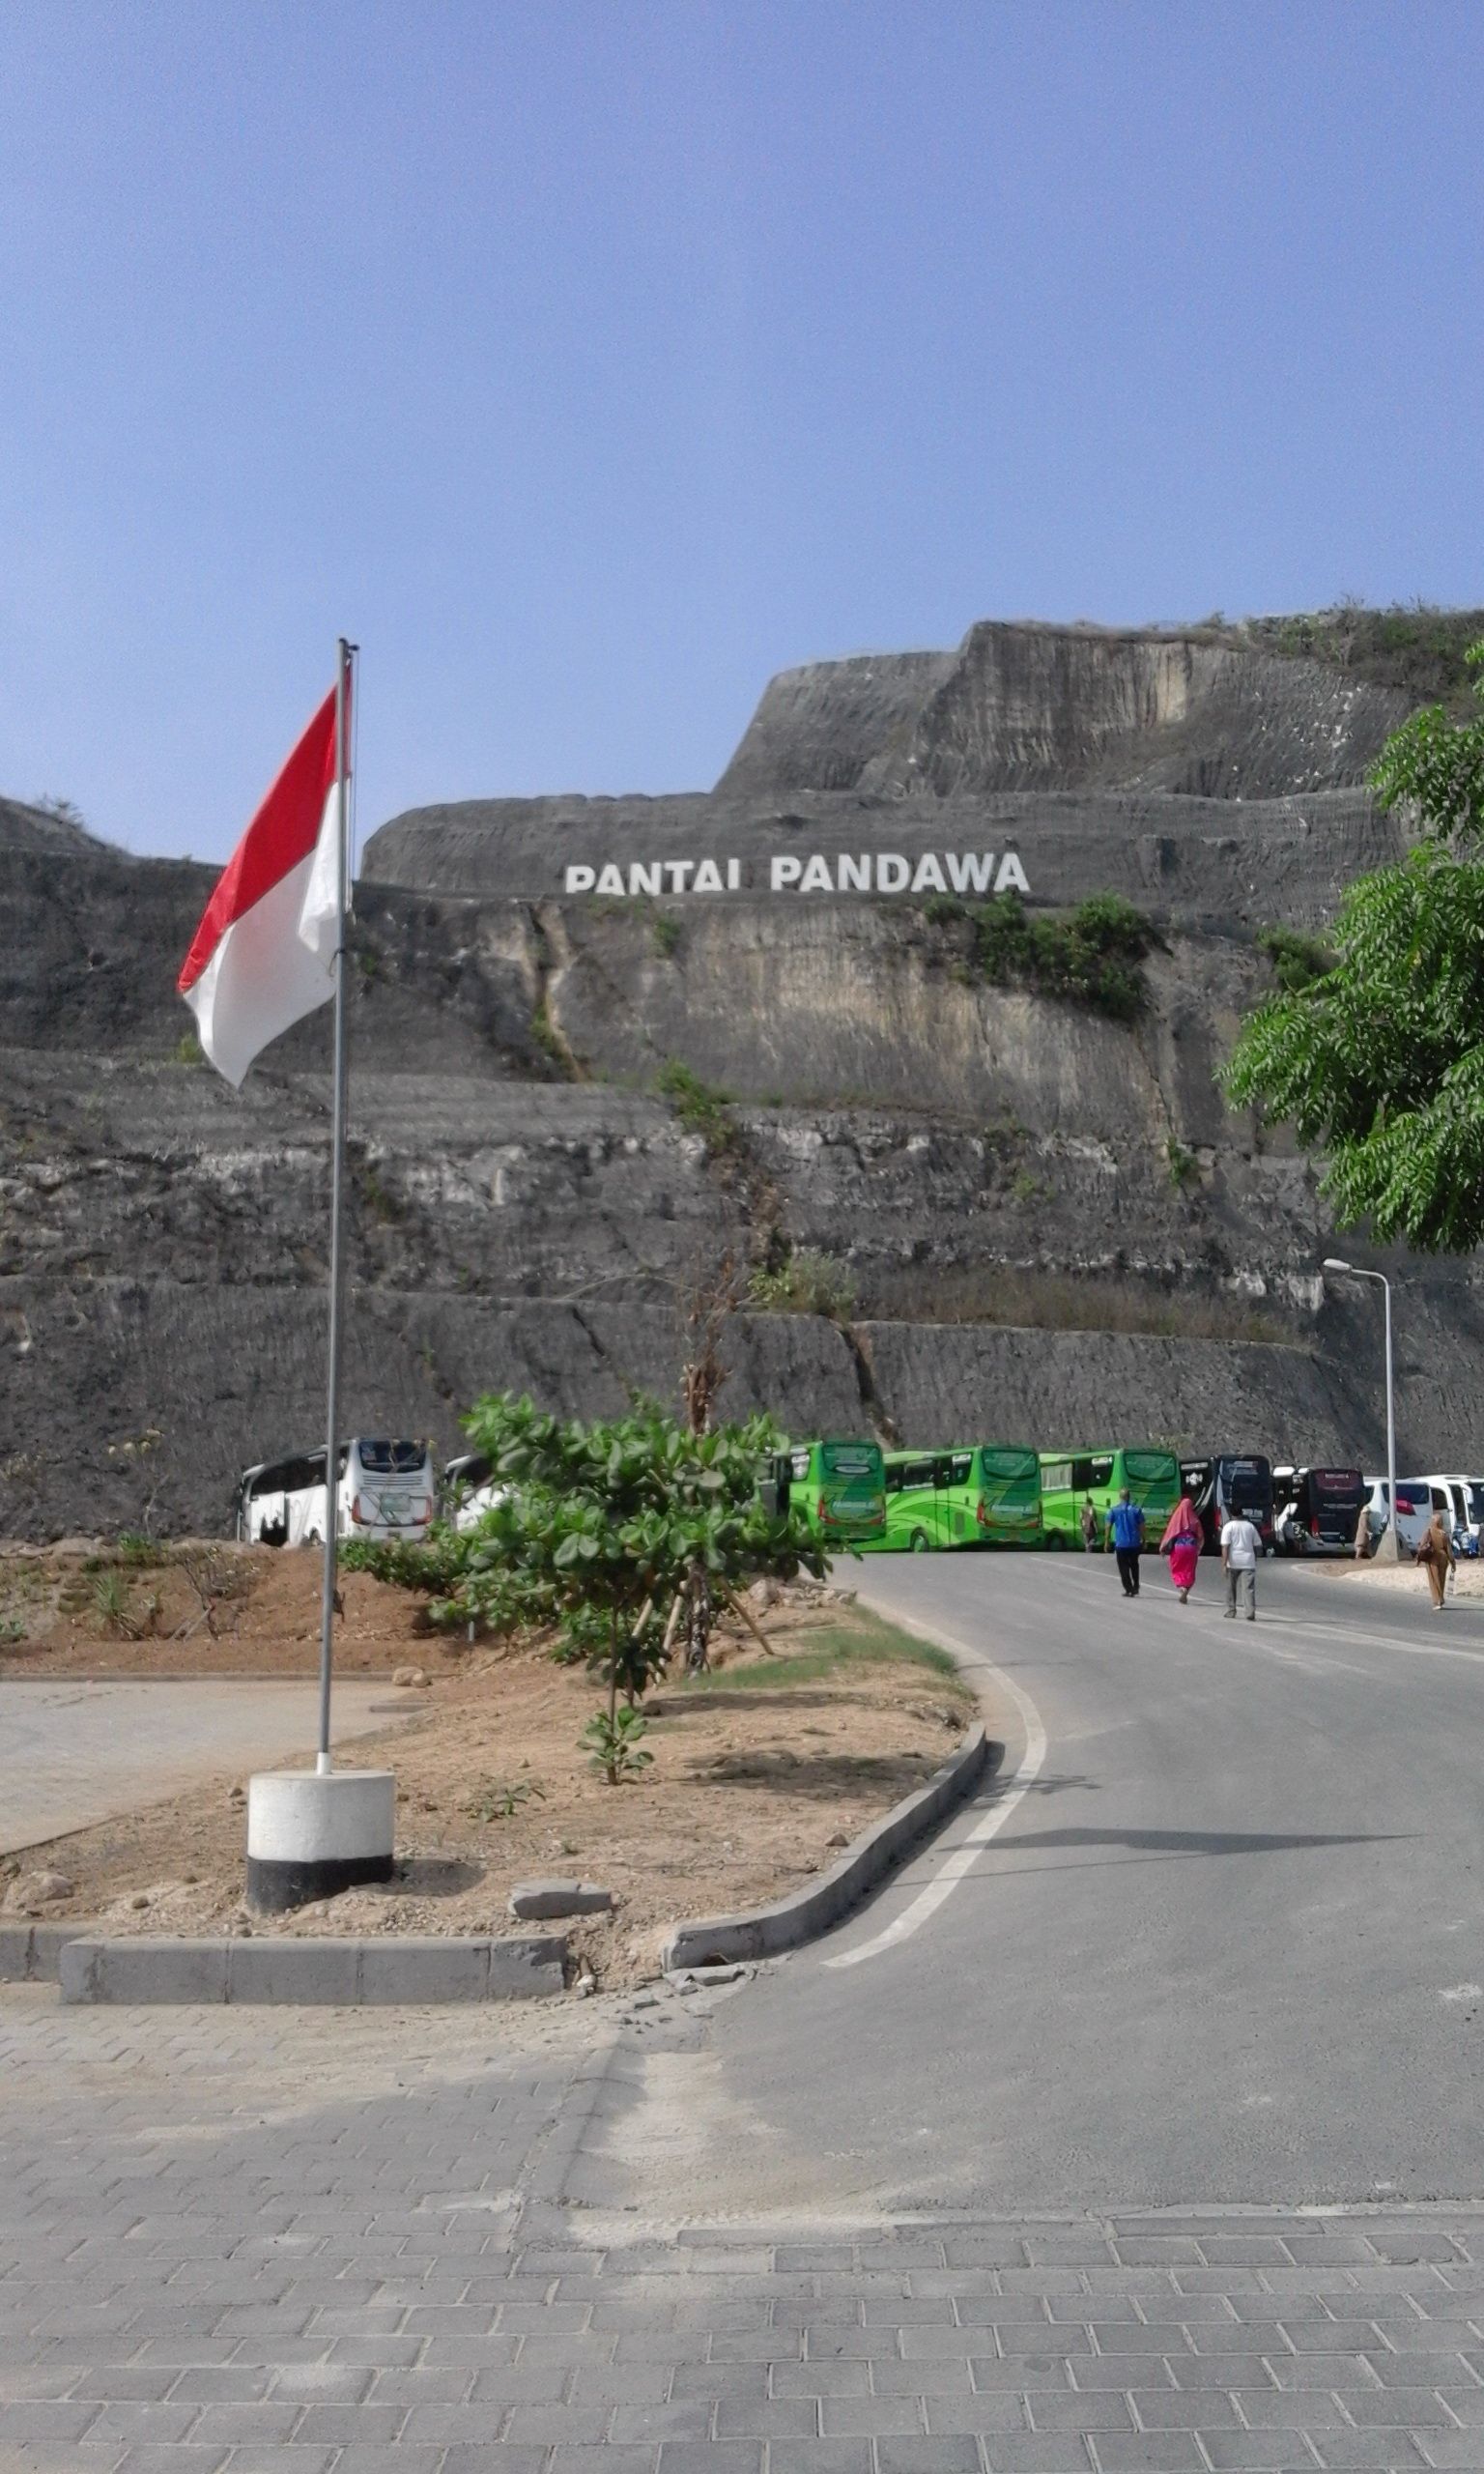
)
(529, 1209)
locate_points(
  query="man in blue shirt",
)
(1126, 1537)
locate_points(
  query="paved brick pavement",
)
(72, 1753)
(232, 2243)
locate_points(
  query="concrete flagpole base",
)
(310, 1835)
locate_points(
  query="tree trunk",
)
(699, 1616)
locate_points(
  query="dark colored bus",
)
(1225, 1485)
(1318, 1510)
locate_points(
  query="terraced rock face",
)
(1062, 708)
(529, 1209)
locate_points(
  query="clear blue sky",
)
(589, 362)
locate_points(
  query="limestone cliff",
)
(526, 1207)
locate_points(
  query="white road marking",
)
(962, 1857)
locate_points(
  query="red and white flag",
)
(265, 952)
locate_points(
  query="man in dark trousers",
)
(1125, 1538)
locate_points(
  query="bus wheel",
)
(1055, 1539)
(919, 1541)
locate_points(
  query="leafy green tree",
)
(603, 1524)
(1377, 1061)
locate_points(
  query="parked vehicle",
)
(1414, 1510)
(1068, 1479)
(1461, 1501)
(1229, 1485)
(841, 1485)
(1317, 1511)
(468, 1491)
(386, 1488)
(970, 1495)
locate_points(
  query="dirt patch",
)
(1468, 1577)
(200, 1609)
(756, 1783)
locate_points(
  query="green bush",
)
(1185, 1168)
(613, 1742)
(809, 1282)
(548, 1040)
(432, 1564)
(700, 1107)
(944, 909)
(1091, 956)
(665, 928)
(1414, 646)
(1297, 961)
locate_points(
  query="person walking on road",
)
(1436, 1554)
(1089, 1528)
(1181, 1543)
(1125, 1540)
(1240, 1547)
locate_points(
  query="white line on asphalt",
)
(962, 1860)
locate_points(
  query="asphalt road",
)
(74, 1753)
(1226, 1948)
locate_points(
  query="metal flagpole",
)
(343, 664)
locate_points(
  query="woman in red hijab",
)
(1181, 1543)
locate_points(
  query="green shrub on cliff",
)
(699, 1108)
(809, 1282)
(1091, 956)
(1414, 645)
(1297, 961)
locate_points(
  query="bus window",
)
(380, 1459)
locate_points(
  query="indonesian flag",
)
(265, 952)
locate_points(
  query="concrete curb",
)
(32, 1953)
(402, 1968)
(807, 1912)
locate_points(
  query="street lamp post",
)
(1389, 1548)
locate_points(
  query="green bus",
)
(1068, 1479)
(841, 1487)
(971, 1495)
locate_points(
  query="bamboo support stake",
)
(739, 1608)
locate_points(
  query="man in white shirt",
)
(1240, 1549)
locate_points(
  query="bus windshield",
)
(1152, 1468)
(385, 1459)
(852, 1460)
(997, 1467)
(1247, 1485)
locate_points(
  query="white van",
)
(386, 1489)
(468, 1491)
(1461, 1502)
(1414, 1510)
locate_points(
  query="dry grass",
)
(1001, 1293)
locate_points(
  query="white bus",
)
(468, 1491)
(386, 1489)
